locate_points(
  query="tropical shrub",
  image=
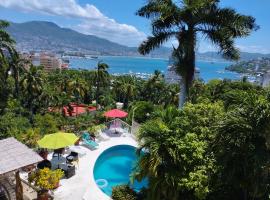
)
(79, 123)
(12, 125)
(242, 152)
(123, 192)
(94, 129)
(177, 160)
(46, 123)
(30, 137)
(141, 110)
(46, 179)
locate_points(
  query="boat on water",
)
(91, 57)
(94, 57)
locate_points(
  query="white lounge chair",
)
(102, 136)
(79, 149)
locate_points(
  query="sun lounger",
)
(103, 136)
(79, 149)
(91, 144)
(88, 142)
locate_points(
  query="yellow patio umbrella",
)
(57, 140)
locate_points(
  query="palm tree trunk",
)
(16, 78)
(187, 78)
(183, 92)
(97, 96)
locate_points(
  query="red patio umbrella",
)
(115, 113)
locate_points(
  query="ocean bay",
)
(146, 66)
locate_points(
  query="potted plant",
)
(95, 129)
(45, 180)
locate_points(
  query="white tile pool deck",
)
(82, 185)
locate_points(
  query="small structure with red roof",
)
(73, 109)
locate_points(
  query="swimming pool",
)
(114, 166)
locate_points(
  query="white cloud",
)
(111, 30)
(253, 49)
(205, 46)
(92, 20)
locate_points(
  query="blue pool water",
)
(114, 166)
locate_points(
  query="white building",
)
(172, 77)
(266, 79)
(49, 61)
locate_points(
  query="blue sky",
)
(116, 20)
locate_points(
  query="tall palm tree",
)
(125, 89)
(154, 87)
(7, 53)
(77, 89)
(186, 19)
(6, 42)
(101, 78)
(154, 162)
(32, 87)
(242, 150)
(17, 67)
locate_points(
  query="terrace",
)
(82, 184)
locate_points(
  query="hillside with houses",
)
(260, 65)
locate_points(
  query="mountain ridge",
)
(48, 36)
(44, 35)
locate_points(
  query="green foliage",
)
(46, 123)
(30, 137)
(79, 123)
(123, 192)
(94, 129)
(252, 66)
(13, 105)
(215, 147)
(242, 151)
(12, 125)
(231, 93)
(178, 161)
(125, 89)
(101, 79)
(141, 111)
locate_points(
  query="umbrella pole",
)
(114, 123)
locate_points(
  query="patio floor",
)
(82, 185)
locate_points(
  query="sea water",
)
(144, 67)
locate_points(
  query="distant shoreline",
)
(153, 58)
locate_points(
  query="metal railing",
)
(118, 124)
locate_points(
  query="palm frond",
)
(225, 43)
(154, 8)
(154, 41)
(3, 24)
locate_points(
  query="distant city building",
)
(266, 79)
(263, 79)
(171, 77)
(49, 61)
(35, 58)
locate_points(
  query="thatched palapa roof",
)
(15, 155)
